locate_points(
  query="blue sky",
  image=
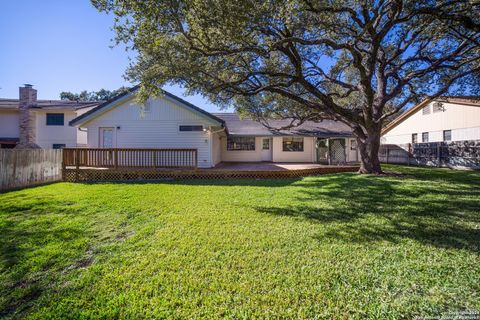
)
(62, 45)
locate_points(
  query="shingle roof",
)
(50, 104)
(249, 127)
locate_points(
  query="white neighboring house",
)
(170, 122)
(444, 119)
(46, 121)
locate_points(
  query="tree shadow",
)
(443, 211)
(259, 182)
(32, 245)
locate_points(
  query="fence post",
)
(438, 155)
(63, 163)
(388, 153)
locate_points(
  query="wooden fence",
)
(130, 158)
(455, 154)
(29, 167)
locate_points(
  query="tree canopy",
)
(357, 62)
(100, 95)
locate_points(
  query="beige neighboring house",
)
(444, 119)
(171, 122)
(30, 123)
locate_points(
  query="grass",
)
(333, 246)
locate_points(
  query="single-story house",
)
(40, 123)
(168, 121)
(443, 119)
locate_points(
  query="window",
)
(55, 119)
(353, 144)
(58, 145)
(266, 144)
(190, 128)
(447, 135)
(425, 137)
(426, 110)
(293, 144)
(240, 143)
(414, 138)
(438, 107)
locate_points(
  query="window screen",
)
(190, 128)
(55, 119)
(293, 144)
(447, 135)
(425, 137)
(240, 143)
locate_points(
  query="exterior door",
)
(353, 151)
(267, 149)
(106, 137)
(106, 141)
(322, 151)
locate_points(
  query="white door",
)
(352, 151)
(267, 149)
(106, 137)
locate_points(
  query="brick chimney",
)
(27, 100)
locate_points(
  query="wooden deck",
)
(224, 170)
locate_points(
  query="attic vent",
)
(426, 110)
(438, 107)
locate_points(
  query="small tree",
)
(100, 95)
(357, 62)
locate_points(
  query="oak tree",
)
(357, 62)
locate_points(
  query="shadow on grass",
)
(443, 211)
(269, 183)
(28, 251)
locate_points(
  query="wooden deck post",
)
(77, 163)
(196, 159)
(115, 158)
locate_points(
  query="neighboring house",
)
(170, 122)
(444, 119)
(32, 123)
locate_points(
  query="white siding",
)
(9, 123)
(308, 154)
(157, 128)
(462, 120)
(244, 155)
(46, 136)
(82, 134)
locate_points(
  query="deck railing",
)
(130, 158)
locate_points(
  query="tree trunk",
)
(368, 147)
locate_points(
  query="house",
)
(444, 119)
(30, 123)
(168, 121)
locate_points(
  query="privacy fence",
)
(23, 168)
(455, 154)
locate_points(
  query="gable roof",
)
(107, 105)
(473, 101)
(249, 127)
(13, 104)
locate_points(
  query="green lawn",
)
(333, 246)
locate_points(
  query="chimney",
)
(27, 100)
